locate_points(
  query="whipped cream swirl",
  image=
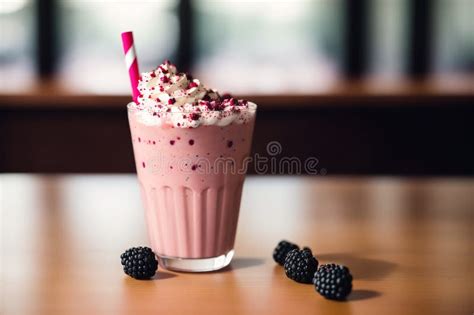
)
(171, 97)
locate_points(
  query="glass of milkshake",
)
(191, 146)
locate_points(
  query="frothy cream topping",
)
(171, 97)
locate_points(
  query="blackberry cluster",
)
(333, 281)
(282, 249)
(330, 280)
(300, 265)
(139, 262)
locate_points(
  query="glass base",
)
(196, 264)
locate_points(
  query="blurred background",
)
(366, 86)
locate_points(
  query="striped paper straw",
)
(131, 62)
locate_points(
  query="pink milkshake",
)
(190, 147)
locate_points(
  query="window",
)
(388, 31)
(247, 47)
(92, 58)
(17, 68)
(268, 46)
(454, 44)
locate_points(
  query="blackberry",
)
(333, 281)
(139, 262)
(300, 265)
(282, 249)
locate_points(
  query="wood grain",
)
(408, 242)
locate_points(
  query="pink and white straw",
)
(131, 62)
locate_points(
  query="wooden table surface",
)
(408, 242)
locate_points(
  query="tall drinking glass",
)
(191, 184)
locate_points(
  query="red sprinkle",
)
(194, 167)
(230, 143)
(194, 116)
(139, 139)
(143, 164)
(192, 84)
(172, 142)
(171, 101)
(191, 142)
